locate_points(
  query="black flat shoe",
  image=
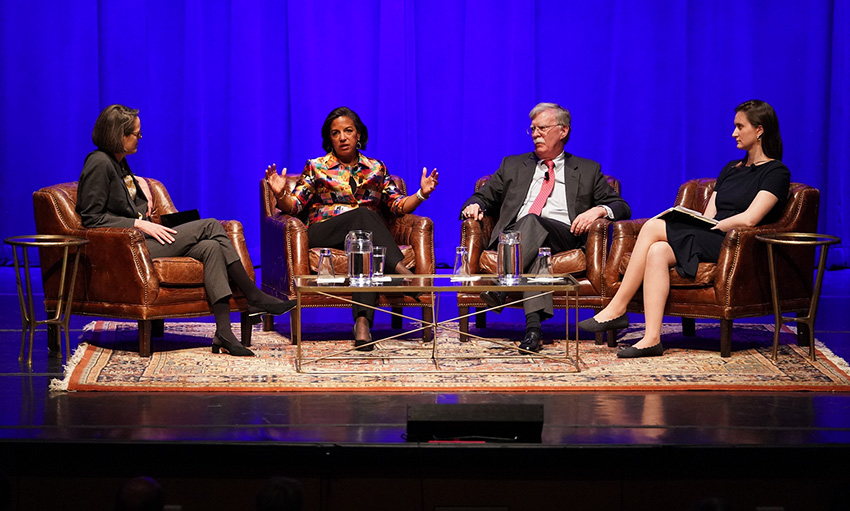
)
(591, 325)
(494, 299)
(531, 342)
(273, 308)
(631, 352)
(362, 344)
(234, 348)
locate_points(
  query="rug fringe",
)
(57, 385)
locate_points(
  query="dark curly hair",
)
(343, 111)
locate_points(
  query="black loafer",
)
(631, 352)
(273, 308)
(531, 341)
(495, 300)
(591, 325)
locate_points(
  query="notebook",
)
(181, 217)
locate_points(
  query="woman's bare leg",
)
(656, 288)
(653, 231)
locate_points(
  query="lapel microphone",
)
(546, 176)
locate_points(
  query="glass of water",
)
(325, 270)
(461, 269)
(544, 262)
(379, 257)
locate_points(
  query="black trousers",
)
(541, 232)
(331, 233)
(206, 241)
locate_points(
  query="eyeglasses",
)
(137, 135)
(542, 129)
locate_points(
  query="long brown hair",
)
(759, 113)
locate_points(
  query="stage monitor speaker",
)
(521, 423)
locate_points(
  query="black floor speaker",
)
(521, 423)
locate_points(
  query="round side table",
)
(66, 293)
(788, 239)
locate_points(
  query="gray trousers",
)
(206, 241)
(541, 232)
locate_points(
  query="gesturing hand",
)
(159, 232)
(277, 182)
(428, 182)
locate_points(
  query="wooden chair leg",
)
(158, 328)
(464, 323)
(145, 338)
(481, 320)
(268, 323)
(54, 338)
(293, 328)
(689, 327)
(804, 333)
(247, 328)
(427, 317)
(725, 337)
(395, 322)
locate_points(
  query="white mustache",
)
(539, 140)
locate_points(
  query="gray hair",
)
(561, 114)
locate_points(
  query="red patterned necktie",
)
(545, 189)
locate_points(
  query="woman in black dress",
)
(748, 192)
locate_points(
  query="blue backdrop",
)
(226, 88)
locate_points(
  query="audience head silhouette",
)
(140, 494)
(280, 494)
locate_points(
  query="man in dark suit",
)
(551, 197)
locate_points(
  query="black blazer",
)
(102, 196)
(586, 187)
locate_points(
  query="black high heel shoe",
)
(234, 348)
(362, 344)
(271, 307)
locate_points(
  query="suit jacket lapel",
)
(571, 184)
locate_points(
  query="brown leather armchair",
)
(586, 265)
(117, 278)
(285, 253)
(738, 285)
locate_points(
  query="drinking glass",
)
(379, 257)
(544, 262)
(325, 269)
(461, 269)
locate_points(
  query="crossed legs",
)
(649, 265)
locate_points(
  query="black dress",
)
(736, 188)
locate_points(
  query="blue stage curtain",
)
(226, 88)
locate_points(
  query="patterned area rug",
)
(106, 361)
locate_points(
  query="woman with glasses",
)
(341, 191)
(749, 191)
(110, 195)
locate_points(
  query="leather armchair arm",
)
(117, 266)
(235, 232)
(475, 236)
(418, 232)
(284, 248)
(596, 253)
(624, 235)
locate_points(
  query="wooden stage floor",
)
(606, 450)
